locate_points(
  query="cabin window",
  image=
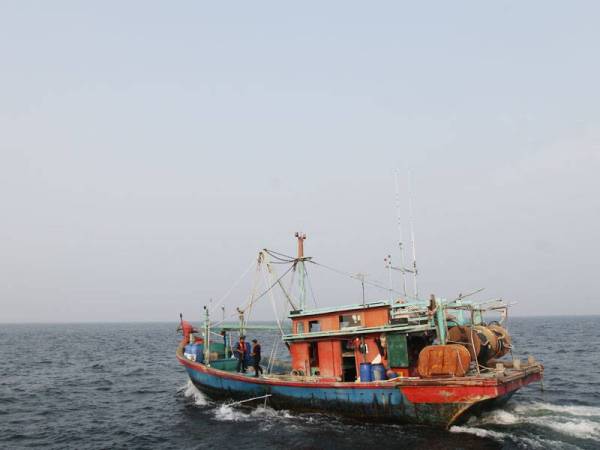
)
(350, 320)
(299, 327)
(314, 326)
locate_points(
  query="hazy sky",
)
(148, 150)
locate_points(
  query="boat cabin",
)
(332, 343)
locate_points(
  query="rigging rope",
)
(255, 299)
(289, 259)
(234, 285)
(310, 287)
(248, 308)
(354, 277)
(280, 256)
(270, 287)
(286, 259)
(272, 356)
(273, 304)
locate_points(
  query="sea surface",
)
(99, 386)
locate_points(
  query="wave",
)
(521, 441)
(567, 420)
(583, 429)
(576, 423)
(573, 410)
(480, 432)
(191, 391)
(229, 413)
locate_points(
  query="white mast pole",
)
(300, 261)
(400, 243)
(412, 235)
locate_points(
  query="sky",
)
(149, 150)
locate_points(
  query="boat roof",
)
(321, 311)
(236, 327)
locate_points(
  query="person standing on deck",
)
(256, 357)
(240, 354)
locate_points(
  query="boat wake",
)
(230, 413)
(538, 425)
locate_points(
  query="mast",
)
(206, 337)
(242, 320)
(412, 236)
(301, 269)
(388, 266)
(361, 277)
(400, 242)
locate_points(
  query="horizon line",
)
(90, 322)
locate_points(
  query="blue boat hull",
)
(378, 401)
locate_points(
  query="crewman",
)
(256, 357)
(240, 354)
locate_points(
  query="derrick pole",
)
(301, 269)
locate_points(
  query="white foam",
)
(569, 420)
(480, 432)
(229, 414)
(267, 412)
(537, 442)
(583, 429)
(546, 444)
(191, 391)
(573, 410)
(500, 417)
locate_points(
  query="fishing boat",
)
(404, 359)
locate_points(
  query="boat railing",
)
(411, 314)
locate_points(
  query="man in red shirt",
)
(240, 354)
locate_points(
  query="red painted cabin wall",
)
(330, 358)
(376, 317)
(300, 361)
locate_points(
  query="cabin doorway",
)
(313, 358)
(348, 361)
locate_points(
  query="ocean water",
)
(119, 386)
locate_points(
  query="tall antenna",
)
(361, 277)
(412, 235)
(301, 269)
(400, 242)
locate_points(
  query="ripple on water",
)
(92, 387)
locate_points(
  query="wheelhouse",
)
(332, 343)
